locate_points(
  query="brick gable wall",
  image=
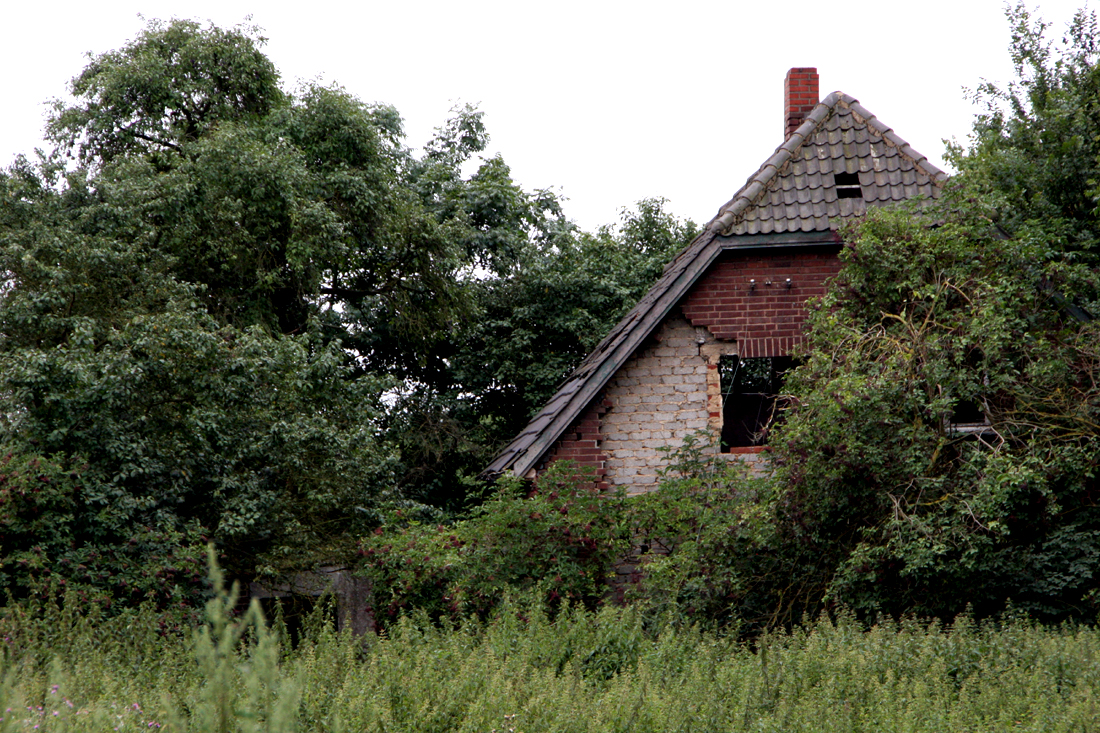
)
(656, 399)
(669, 388)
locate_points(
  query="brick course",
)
(656, 399)
(765, 320)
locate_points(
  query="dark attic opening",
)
(968, 412)
(847, 186)
(968, 417)
(751, 402)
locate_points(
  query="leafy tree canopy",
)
(155, 417)
(1034, 153)
(530, 326)
(183, 316)
(165, 90)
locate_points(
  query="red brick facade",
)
(747, 299)
(581, 443)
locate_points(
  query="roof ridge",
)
(757, 184)
(887, 133)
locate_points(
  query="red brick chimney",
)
(799, 97)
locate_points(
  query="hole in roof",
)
(847, 186)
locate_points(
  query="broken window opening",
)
(971, 415)
(750, 398)
(968, 416)
(847, 186)
(968, 412)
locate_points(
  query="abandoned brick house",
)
(707, 345)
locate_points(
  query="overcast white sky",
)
(607, 102)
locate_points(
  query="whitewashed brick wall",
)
(657, 398)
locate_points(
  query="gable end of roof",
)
(813, 142)
(911, 176)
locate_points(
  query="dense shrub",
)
(889, 504)
(558, 539)
(50, 545)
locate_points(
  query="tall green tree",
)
(208, 289)
(1034, 152)
(166, 89)
(238, 313)
(159, 420)
(546, 303)
(273, 202)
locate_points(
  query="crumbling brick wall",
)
(582, 443)
(670, 387)
(656, 399)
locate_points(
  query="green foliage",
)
(520, 670)
(535, 326)
(148, 387)
(1034, 154)
(174, 84)
(885, 504)
(130, 672)
(167, 422)
(557, 542)
(268, 200)
(699, 537)
(50, 542)
(550, 299)
(270, 700)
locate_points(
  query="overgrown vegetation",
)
(981, 312)
(557, 543)
(941, 445)
(234, 313)
(521, 671)
(879, 500)
(987, 310)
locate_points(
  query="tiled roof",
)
(795, 188)
(792, 199)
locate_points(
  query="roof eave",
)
(529, 458)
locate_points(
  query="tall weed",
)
(526, 670)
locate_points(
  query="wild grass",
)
(522, 671)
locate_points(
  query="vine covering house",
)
(706, 347)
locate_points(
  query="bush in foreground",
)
(521, 671)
